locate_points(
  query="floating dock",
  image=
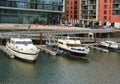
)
(100, 49)
(9, 54)
(46, 50)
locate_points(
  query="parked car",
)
(81, 25)
(107, 27)
(100, 27)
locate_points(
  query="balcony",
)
(116, 12)
(116, 2)
(84, 14)
(116, 8)
(92, 14)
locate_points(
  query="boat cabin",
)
(20, 41)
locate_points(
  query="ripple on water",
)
(102, 68)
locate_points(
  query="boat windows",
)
(73, 49)
(60, 43)
(81, 50)
(78, 49)
(24, 42)
(73, 45)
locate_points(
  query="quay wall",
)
(40, 27)
(33, 27)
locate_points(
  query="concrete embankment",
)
(35, 27)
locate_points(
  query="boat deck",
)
(9, 54)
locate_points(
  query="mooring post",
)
(40, 38)
(94, 37)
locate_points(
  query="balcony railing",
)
(116, 8)
(116, 2)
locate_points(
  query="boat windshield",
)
(73, 45)
(24, 42)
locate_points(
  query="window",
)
(105, 6)
(105, 1)
(109, 17)
(75, 16)
(105, 18)
(110, 12)
(110, 0)
(105, 12)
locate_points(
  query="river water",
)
(101, 68)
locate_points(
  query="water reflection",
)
(23, 68)
(102, 68)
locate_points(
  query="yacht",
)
(22, 48)
(73, 47)
(109, 44)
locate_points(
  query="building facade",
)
(89, 12)
(94, 12)
(100, 12)
(110, 12)
(31, 11)
(73, 10)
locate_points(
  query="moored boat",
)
(73, 47)
(111, 45)
(23, 48)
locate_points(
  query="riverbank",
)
(34, 27)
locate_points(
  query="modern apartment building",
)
(89, 11)
(100, 12)
(31, 11)
(109, 12)
(94, 12)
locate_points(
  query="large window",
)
(28, 17)
(30, 11)
(55, 5)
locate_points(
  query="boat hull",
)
(24, 56)
(74, 54)
(109, 48)
(111, 45)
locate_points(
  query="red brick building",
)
(109, 12)
(102, 12)
(73, 10)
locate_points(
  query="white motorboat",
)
(23, 48)
(73, 47)
(109, 44)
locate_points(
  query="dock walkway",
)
(100, 49)
(46, 50)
